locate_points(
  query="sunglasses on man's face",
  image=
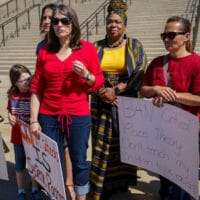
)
(170, 35)
(64, 21)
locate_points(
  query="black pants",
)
(171, 191)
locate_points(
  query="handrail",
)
(86, 26)
(3, 4)
(18, 15)
(81, 1)
(16, 8)
(15, 18)
(196, 26)
(190, 15)
(190, 9)
(23, 4)
(194, 4)
(6, 4)
(93, 18)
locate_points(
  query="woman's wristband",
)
(34, 122)
(88, 77)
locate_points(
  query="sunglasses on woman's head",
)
(64, 21)
(170, 35)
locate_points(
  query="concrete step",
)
(143, 24)
(22, 49)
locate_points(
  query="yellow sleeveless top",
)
(113, 61)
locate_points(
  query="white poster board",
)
(43, 162)
(163, 140)
(3, 166)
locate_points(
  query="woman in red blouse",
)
(67, 70)
(175, 79)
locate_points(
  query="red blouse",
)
(62, 90)
(184, 76)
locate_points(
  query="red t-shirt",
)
(61, 89)
(184, 76)
(19, 106)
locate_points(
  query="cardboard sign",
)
(43, 162)
(3, 166)
(163, 140)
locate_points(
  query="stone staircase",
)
(146, 20)
(9, 9)
(197, 29)
(22, 49)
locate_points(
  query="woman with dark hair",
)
(67, 70)
(123, 62)
(174, 78)
(45, 22)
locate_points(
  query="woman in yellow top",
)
(123, 62)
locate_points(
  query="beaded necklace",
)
(116, 44)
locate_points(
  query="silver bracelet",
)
(34, 122)
(88, 77)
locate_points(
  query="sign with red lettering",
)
(163, 140)
(43, 161)
(3, 166)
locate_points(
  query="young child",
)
(19, 108)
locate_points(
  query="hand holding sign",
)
(43, 162)
(163, 140)
(3, 166)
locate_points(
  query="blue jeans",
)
(79, 131)
(78, 144)
(52, 128)
(20, 157)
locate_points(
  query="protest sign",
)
(3, 166)
(43, 162)
(163, 140)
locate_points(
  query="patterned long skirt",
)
(107, 173)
